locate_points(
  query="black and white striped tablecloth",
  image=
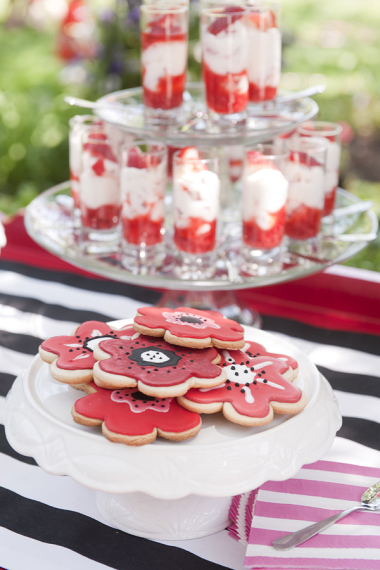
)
(51, 522)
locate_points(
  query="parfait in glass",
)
(99, 193)
(163, 59)
(143, 180)
(196, 188)
(331, 134)
(265, 193)
(225, 59)
(264, 62)
(305, 172)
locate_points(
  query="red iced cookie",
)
(190, 327)
(71, 357)
(156, 367)
(254, 389)
(254, 349)
(128, 416)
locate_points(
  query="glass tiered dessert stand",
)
(49, 218)
(169, 490)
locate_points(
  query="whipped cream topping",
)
(96, 191)
(306, 186)
(264, 63)
(265, 192)
(75, 150)
(143, 191)
(226, 52)
(196, 195)
(161, 59)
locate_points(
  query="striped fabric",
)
(50, 523)
(316, 492)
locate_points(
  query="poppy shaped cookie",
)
(254, 349)
(255, 388)
(71, 357)
(156, 367)
(130, 417)
(190, 327)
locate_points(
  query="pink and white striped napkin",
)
(316, 492)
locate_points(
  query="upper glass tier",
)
(265, 120)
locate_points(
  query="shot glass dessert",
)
(163, 59)
(79, 125)
(331, 134)
(143, 179)
(99, 193)
(305, 172)
(196, 188)
(265, 192)
(264, 62)
(225, 58)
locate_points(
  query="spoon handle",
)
(295, 538)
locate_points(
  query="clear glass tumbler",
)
(264, 62)
(79, 124)
(99, 193)
(265, 193)
(305, 172)
(196, 190)
(163, 59)
(143, 181)
(331, 134)
(224, 59)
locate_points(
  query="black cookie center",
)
(157, 357)
(192, 320)
(144, 397)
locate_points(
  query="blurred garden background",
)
(51, 48)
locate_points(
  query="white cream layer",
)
(306, 186)
(264, 192)
(226, 52)
(96, 191)
(161, 59)
(143, 191)
(196, 195)
(264, 62)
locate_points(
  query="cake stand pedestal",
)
(167, 490)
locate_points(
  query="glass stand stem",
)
(223, 301)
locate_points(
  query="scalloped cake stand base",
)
(166, 490)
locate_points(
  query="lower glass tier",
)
(50, 222)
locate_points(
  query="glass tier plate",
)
(265, 121)
(49, 221)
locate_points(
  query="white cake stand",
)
(167, 490)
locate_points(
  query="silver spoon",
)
(309, 92)
(370, 501)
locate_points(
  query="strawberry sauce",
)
(257, 238)
(303, 223)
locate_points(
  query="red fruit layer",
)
(254, 236)
(263, 20)
(258, 94)
(303, 223)
(220, 24)
(142, 230)
(187, 239)
(98, 149)
(235, 169)
(329, 202)
(303, 158)
(103, 218)
(164, 28)
(168, 94)
(221, 92)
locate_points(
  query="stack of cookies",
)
(156, 377)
